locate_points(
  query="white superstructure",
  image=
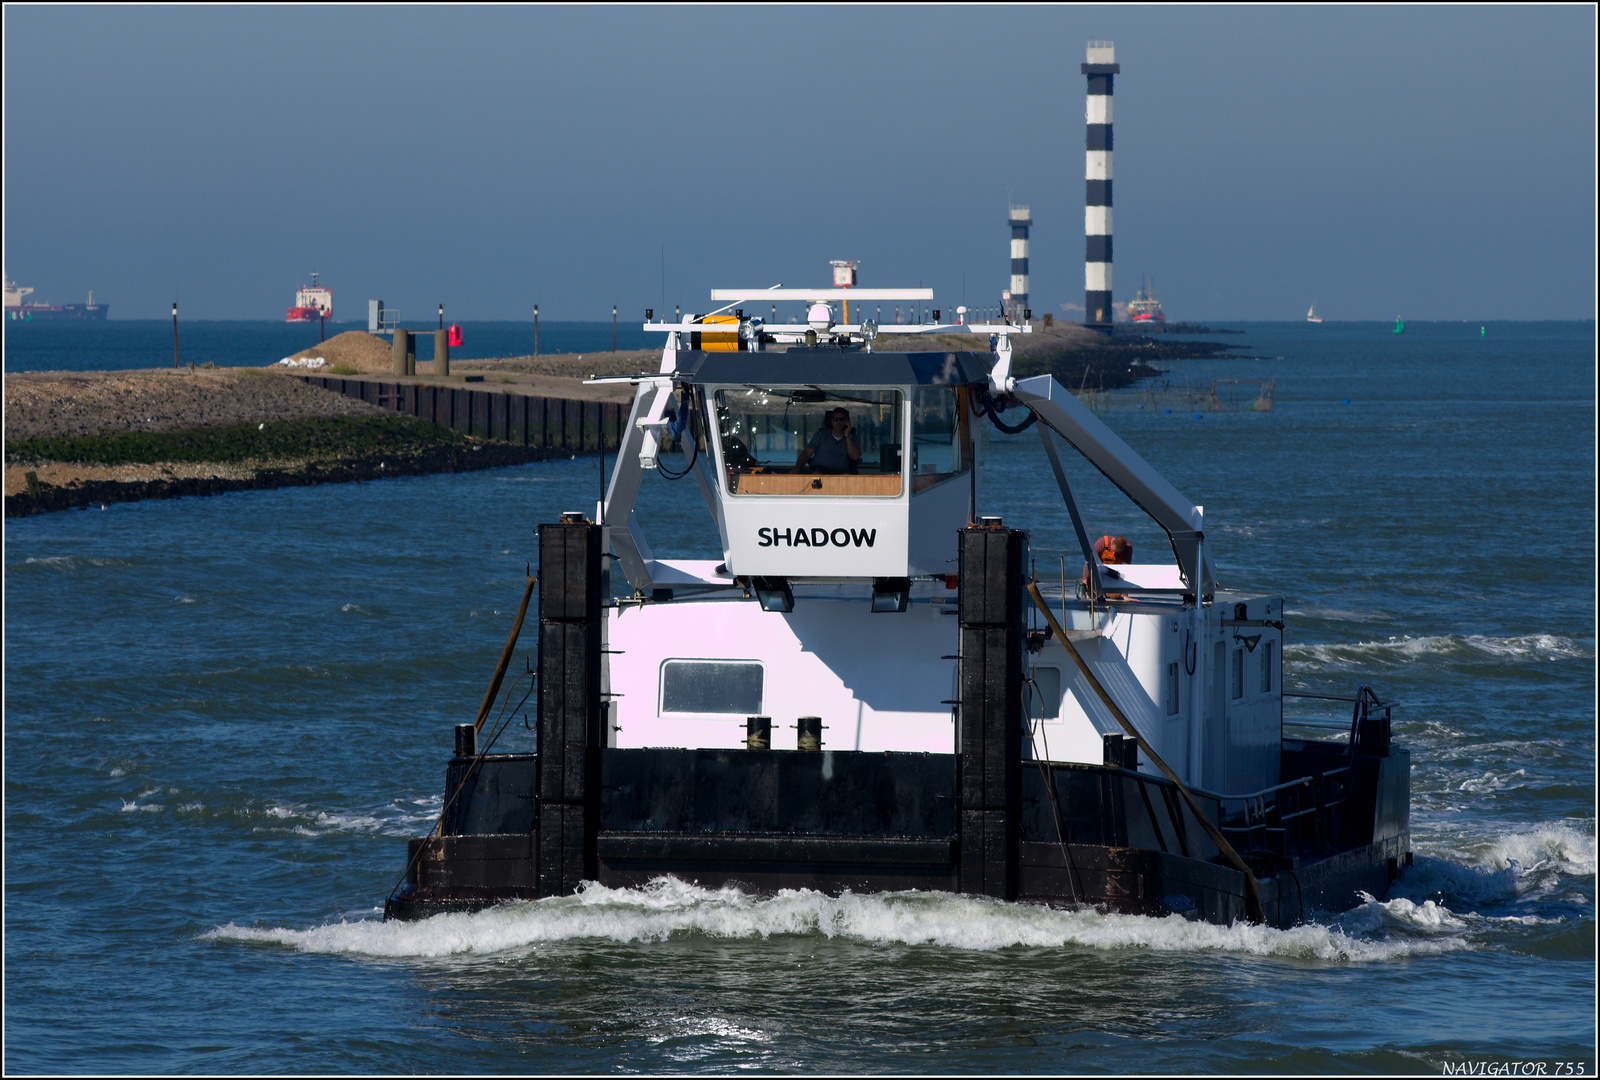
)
(835, 593)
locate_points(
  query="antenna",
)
(725, 307)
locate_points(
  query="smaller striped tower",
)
(1019, 222)
(1101, 67)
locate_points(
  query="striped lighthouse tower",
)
(1100, 68)
(1019, 222)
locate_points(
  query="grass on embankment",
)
(321, 437)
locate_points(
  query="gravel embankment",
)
(68, 404)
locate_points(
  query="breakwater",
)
(81, 458)
(560, 425)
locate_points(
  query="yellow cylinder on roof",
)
(717, 342)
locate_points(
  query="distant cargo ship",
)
(1144, 309)
(312, 304)
(18, 311)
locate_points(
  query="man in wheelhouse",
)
(832, 449)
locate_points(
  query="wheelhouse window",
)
(808, 440)
(940, 437)
(701, 687)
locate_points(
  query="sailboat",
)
(1312, 316)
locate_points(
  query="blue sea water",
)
(224, 715)
(118, 344)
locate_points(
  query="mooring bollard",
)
(758, 733)
(441, 352)
(402, 349)
(809, 736)
(466, 740)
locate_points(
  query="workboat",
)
(871, 690)
(1144, 309)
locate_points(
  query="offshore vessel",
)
(18, 310)
(311, 304)
(1144, 309)
(871, 689)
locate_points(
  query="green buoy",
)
(1483, 331)
(1399, 327)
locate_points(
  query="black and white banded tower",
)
(1019, 221)
(1101, 68)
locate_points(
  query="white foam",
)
(1427, 915)
(1561, 846)
(183, 599)
(1333, 614)
(1537, 861)
(670, 908)
(72, 562)
(691, 1027)
(1543, 647)
(394, 820)
(1494, 781)
(129, 805)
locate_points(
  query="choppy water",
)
(119, 344)
(224, 715)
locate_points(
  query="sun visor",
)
(830, 367)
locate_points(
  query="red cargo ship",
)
(312, 304)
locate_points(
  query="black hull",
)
(1127, 880)
(869, 823)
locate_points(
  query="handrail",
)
(1290, 721)
(1269, 790)
(1343, 697)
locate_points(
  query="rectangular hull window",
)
(1266, 668)
(783, 441)
(701, 687)
(1172, 689)
(1044, 694)
(1237, 684)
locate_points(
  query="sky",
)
(1432, 162)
